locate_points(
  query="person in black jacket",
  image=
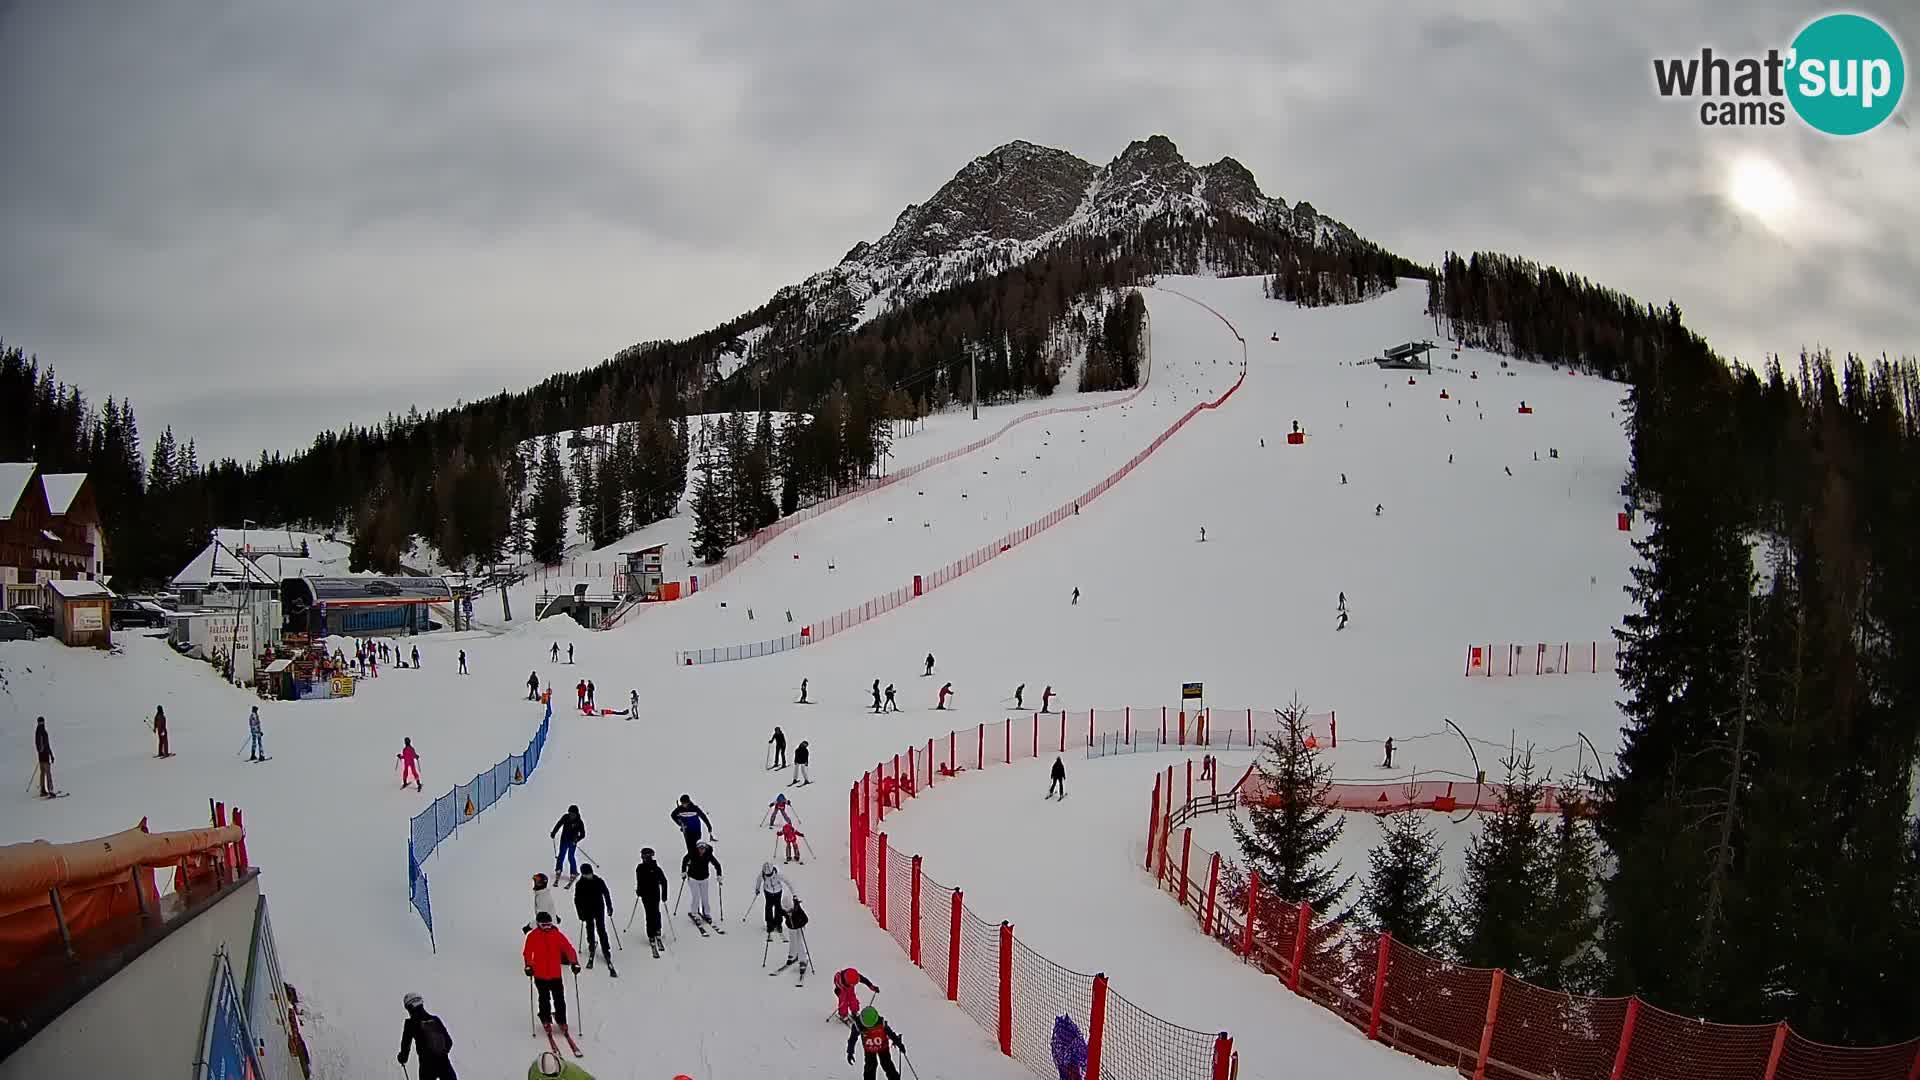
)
(872, 1033)
(650, 885)
(697, 868)
(424, 1031)
(1059, 785)
(571, 829)
(800, 759)
(593, 902)
(779, 742)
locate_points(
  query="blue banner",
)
(226, 1048)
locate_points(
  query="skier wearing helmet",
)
(542, 902)
(771, 885)
(424, 1031)
(846, 993)
(873, 1034)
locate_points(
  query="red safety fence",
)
(1012, 992)
(1481, 1022)
(1505, 660)
(923, 583)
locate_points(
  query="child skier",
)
(410, 766)
(650, 885)
(873, 1034)
(778, 809)
(160, 730)
(792, 836)
(1018, 693)
(929, 670)
(542, 903)
(545, 952)
(846, 993)
(533, 686)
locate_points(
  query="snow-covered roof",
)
(281, 567)
(258, 539)
(61, 489)
(74, 589)
(217, 564)
(14, 478)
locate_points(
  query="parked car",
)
(37, 617)
(130, 612)
(14, 628)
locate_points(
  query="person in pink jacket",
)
(409, 764)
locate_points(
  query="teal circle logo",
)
(1846, 75)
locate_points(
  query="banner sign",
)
(1190, 691)
(226, 1048)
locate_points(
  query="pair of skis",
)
(533, 1018)
(703, 926)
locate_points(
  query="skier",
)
(1343, 479)
(1046, 699)
(800, 777)
(43, 753)
(633, 704)
(792, 836)
(542, 902)
(1059, 784)
(876, 695)
(409, 764)
(569, 652)
(533, 686)
(770, 885)
(160, 730)
(650, 885)
(1343, 601)
(946, 691)
(593, 902)
(416, 657)
(1203, 534)
(1076, 596)
(929, 670)
(873, 1034)
(846, 993)
(1069, 1049)
(892, 705)
(571, 829)
(590, 702)
(545, 952)
(580, 695)
(1377, 507)
(257, 748)
(1018, 693)
(1388, 763)
(463, 661)
(695, 867)
(803, 694)
(689, 818)
(797, 951)
(1206, 767)
(556, 652)
(778, 809)
(425, 1031)
(550, 1066)
(779, 741)
(1343, 620)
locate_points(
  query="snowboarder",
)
(427, 1033)
(533, 686)
(1046, 699)
(946, 691)
(1388, 763)
(593, 902)
(1059, 785)
(695, 867)
(542, 902)
(409, 764)
(770, 885)
(689, 818)
(873, 1034)
(800, 776)
(43, 753)
(546, 951)
(876, 695)
(556, 652)
(778, 809)
(463, 661)
(929, 670)
(1018, 693)
(1076, 596)
(797, 951)
(846, 993)
(160, 730)
(803, 694)
(571, 829)
(255, 738)
(792, 837)
(892, 705)
(1069, 1049)
(416, 657)
(633, 704)
(779, 741)
(650, 885)
(551, 1066)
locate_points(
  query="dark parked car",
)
(37, 617)
(130, 612)
(14, 628)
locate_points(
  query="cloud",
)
(263, 220)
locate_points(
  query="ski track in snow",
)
(1461, 553)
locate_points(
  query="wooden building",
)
(82, 612)
(50, 530)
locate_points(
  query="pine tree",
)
(1507, 870)
(1402, 894)
(586, 486)
(551, 500)
(710, 515)
(1288, 835)
(1570, 919)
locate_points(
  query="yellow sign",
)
(516, 777)
(343, 686)
(469, 807)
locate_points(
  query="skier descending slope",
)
(800, 758)
(770, 885)
(650, 886)
(892, 705)
(779, 744)
(792, 837)
(695, 868)
(571, 829)
(256, 747)
(426, 1032)
(533, 686)
(689, 818)
(797, 951)
(777, 809)
(593, 902)
(946, 691)
(1019, 692)
(846, 993)
(545, 952)
(1059, 785)
(873, 1034)
(929, 670)
(410, 766)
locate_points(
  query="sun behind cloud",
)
(1761, 189)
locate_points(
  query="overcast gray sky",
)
(263, 219)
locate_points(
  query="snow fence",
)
(1479, 1021)
(457, 806)
(1012, 992)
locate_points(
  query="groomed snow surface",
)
(1460, 552)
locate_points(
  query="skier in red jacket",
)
(547, 950)
(409, 764)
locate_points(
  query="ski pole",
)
(631, 912)
(723, 899)
(676, 894)
(904, 1056)
(531, 1029)
(616, 938)
(763, 950)
(580, 1005)
(404, 1071)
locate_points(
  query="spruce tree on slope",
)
(551, 500)
(710, 515)
(1570, 919)
(1497, 913)
(1402, 894)
(1288, 835)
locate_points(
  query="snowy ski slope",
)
(1460, 552)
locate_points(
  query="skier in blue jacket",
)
(689, 818)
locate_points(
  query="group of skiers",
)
(778, 758)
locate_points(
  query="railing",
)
(458, 805)
(1482, 1022)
